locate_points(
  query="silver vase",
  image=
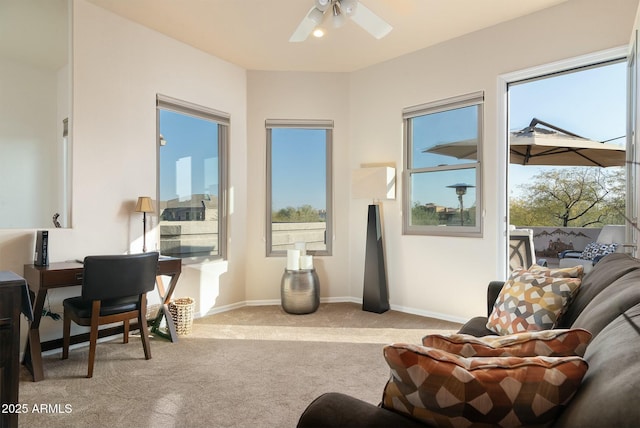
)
(300, 291)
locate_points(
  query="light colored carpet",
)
(249, 367)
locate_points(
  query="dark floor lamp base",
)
(375, 295)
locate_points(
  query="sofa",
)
(607, 305)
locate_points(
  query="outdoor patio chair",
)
(521, 250)
(610, 240)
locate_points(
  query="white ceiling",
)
(254, 34)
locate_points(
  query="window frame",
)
(443, 105)
(223, 120)
(311, 124)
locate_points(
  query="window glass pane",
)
(189, 185)
(443, 147)
(299, 194)
(444, 198)
(445, 138)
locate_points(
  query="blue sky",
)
(298, 167)
(192, 146)
(590, 103)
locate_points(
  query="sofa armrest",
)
(493, 291)
(334, 409)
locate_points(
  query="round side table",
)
(300, 291)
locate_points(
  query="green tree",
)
(576, 197)
(302, 214)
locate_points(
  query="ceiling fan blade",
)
(371, 22)
(305, 27)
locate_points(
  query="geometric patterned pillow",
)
(569, 272)
(545, 343)
(531, 302)
(444, 389)
(594, 249)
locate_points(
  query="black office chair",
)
(114, 289)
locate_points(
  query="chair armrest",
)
(572, 254)
(493, 290)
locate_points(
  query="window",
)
(192, 147)
(299, 186)
(443, 149)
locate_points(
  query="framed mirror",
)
(35, 106)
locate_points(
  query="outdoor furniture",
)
(610, 240)
(521, 250)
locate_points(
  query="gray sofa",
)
(607, 305)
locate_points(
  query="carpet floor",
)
(255, 366)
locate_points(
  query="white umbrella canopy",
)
(548, 145)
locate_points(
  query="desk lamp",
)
(144, 206)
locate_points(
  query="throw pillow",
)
(594, 249)
(569, 272)
(545, 343)
(531, 302)
(443, 389)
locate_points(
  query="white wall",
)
(118, 68)
(292, 95)
(447, 276)
(27, 144)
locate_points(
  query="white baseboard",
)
(346, 299)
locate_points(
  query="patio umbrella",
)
(535, 145)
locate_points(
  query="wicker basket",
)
(182, 312)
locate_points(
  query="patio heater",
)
(461, 190)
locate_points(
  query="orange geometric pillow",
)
(546, 343)
(531, 302)
(444, 389)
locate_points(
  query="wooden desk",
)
(14, 299)
(69, 274)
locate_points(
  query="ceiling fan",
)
(338, 11)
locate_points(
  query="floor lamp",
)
(144, 206)
(376, 184)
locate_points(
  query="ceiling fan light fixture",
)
(349, 7)
(316, 15)
(323, 5)
(338, 17)
(318, 32)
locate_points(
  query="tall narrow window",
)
(443, 146)
(299, 186)
(192, 142)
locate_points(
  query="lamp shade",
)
(144, 205)
(373, 183)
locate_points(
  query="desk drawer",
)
(61, 278)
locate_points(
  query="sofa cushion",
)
(607, 305)
(547, 343)
(444, 389)
(531, 302)
(608, 396)
(605, 272)
(477, 327)
(568, 272)
(595, 249)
